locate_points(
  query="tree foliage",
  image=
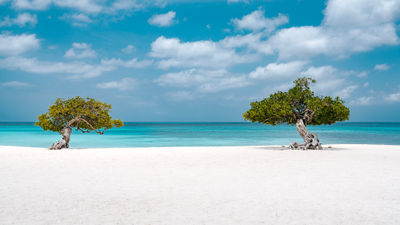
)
(298, 103)
(82, 114)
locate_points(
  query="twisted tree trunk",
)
(67, 130)
(64, 142)
(311, 140)
(66, 133)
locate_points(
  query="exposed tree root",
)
(311, 140)
(64, 142)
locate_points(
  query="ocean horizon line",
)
(211, 122)
(244, 122)
(156, 134)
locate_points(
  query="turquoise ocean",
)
(202, 134)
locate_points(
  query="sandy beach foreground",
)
(348, 184)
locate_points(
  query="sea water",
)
(201, 134)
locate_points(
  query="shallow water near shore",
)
(202, 134)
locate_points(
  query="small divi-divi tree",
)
(299, 106)
(84, 115)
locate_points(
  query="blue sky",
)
(197, 60)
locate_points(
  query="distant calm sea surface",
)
(202, 134)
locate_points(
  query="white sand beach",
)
(348, 184)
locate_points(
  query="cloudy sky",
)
(181, 60)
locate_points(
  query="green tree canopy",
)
(297, 103)
(82, 114)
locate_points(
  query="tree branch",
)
(83, 131)
(79, 119)
(74, 120)
(90, 125)
(308, 115)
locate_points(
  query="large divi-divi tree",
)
(299, 106)
(84, 115)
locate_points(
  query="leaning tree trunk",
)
(66, 133)
(67, 130)
(311, 140)
(64, 142)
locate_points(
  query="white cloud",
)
(76, 69)
(206, 81)
(208, 54)
(133, 63)
(126, 5)
(21, 20)
(15, 84)
(382, 67)
(17, 44)
(163, 20)
(32, 65)
(225, 83)
(346, 91)
(181, 95)
(52, 47)
(362, 74)
(81, 17)
(188, 78)
(123, 84)
(77, 19)
(393, 97)
(89, 6)
(86, 6)
(128, 49)
(362, 101)
(31, 4)
(360, 13)
(337, 36)
(297, 42)
(279, 87)
(256, 21)
(236, 1)
(80, 51)
(331, 81)
(252, 41)
(349, 26)
(278, 70)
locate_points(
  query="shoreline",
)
(348, 184)
(272, 147)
